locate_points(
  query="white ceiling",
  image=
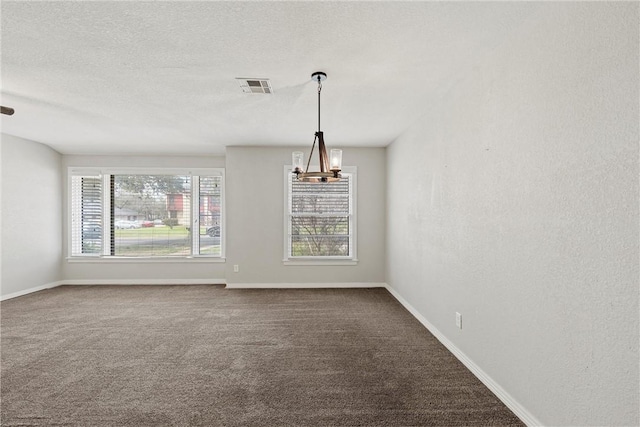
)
(159, 77)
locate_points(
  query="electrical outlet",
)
(236, 268)
(458, 320)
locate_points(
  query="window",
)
(320, 219)
(146, 215)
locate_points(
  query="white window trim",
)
(326, 260)
(104, 173)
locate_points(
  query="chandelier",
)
(330, 166)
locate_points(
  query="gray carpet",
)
(209, 356)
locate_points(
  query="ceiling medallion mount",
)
(319, 76)
(330, 166)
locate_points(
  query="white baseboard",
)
(501, 393)
(305, 285)
(30, 290)
(124, 282)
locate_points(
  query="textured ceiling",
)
(160, 77)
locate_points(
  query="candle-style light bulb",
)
(297, 157)
(336, 159)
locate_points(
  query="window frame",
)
(105, 173)
(352, 259)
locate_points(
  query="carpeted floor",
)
(209, 356)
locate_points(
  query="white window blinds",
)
(86, 215)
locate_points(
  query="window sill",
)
(320, 262)
(132, 260)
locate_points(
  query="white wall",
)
(31, 215)
(130, 271)
(255, 218)
(514, 201)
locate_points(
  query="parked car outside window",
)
(124, 225)
(214, 231)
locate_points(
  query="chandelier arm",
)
(311, 153)
(322, 153)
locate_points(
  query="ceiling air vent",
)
(255, 85)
